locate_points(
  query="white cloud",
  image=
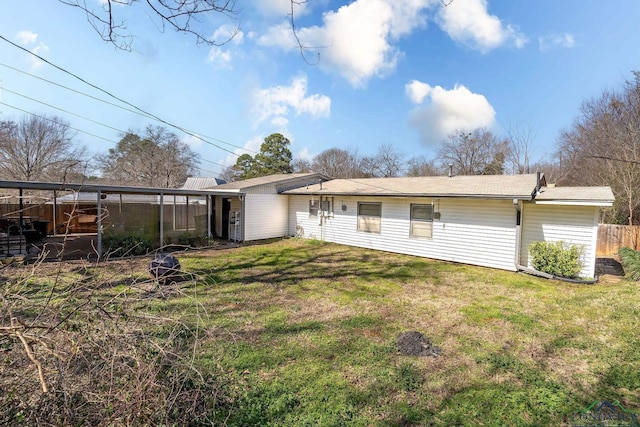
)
(279, 7)
(228, 34)
(26, 37)
(30, 38)
(221, 58)
(304, 154)
(564, 40)
(469, 22)
(193, 141)
(448, 111)
(357, 40)
(35, 63)
(417, 91)
(250, 147)
(276, 103)
(224, 35)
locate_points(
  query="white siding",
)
(577, 225)
(479, 232)
(265, 216)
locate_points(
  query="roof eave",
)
(404, 195)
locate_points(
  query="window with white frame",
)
(314, 205)
(369, 217)
(421, 220)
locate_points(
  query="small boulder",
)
(164, 266)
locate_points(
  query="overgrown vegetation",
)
(556, 258)
(118, 244)
(631, 262)
(298, 332)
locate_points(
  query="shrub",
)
(128, 243)
(556, 258)
(631, 262)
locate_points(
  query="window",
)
(326, 207)
(369, 215)
(313, 208)
(421, 220)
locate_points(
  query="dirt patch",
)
(413, 343)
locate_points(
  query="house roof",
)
(279, 180)
(201, 183)
(601, 196)
(474, 186)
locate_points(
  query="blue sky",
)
(396, 72)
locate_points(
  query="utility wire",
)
(64, 111)
(91, 134)
(49, 120)
(118, 106)
(116, 97)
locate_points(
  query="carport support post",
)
(99, 224)
(55, 212)
(161, 219)
(208, 218)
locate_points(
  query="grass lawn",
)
(300, 332)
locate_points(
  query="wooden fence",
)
(613, 237)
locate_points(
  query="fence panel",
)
(613, 237)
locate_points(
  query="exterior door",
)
(226, 209)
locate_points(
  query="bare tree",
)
(337, 163)
(107, 17)
(156, 159)
(386, 163)
(38, 148)
(228, 174)
(421, 166)
(521, 146)
(603, 147)
(478, 152)
(301, 165)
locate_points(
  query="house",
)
(487, 220)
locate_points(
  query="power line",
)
(64, 111)
(49, 120)
(120, 99)
(84, 132)
(117, 106)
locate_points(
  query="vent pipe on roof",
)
(450, 170)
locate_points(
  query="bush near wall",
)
(631, 262)
(556, 258)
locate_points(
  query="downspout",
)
(242, 215)
(519, 207)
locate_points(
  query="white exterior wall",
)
(470, 231)
(265, 216)
(576, 225)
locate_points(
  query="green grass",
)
(303, 333)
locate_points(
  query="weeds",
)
(295, 333)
